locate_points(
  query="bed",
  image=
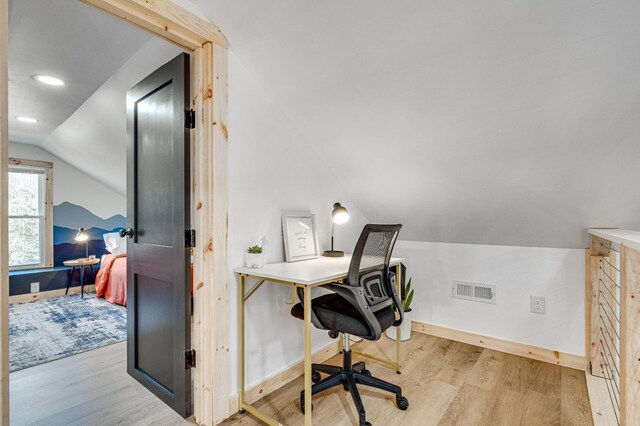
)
(111, 280)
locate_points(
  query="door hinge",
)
(189, 119)
(190, 359)
(190, 238)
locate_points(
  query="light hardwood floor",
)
(91, 388)
(447, 383)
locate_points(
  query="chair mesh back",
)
(369, 266)
(376, 249)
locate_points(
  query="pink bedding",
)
(111, 281)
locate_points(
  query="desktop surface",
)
(306, 272)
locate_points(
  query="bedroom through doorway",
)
(70, 66)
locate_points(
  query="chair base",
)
(350, 376)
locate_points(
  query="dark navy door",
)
(158, 279)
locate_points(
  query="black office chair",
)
(365, 305)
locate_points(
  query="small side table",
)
(80, 263)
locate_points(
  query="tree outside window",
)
(28, 188)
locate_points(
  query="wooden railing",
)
(613, 322)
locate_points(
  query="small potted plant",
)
(254, 257)
(405, 327)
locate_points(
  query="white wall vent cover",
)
(478, 292)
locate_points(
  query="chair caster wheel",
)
(241, 411)
(315, 377)
(366, 372)
(366, 424)
(402, 402)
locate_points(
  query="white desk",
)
(305, 275)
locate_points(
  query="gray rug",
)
(50, 329)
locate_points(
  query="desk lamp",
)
(339, 216)
(82, 236)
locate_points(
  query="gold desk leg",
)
(399, 329)
(293, 296)
(241, 345)
(307, 356)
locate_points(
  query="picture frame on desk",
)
(300, 236)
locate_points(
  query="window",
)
(30, 230)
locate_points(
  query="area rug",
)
(50, 329)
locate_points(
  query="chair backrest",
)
(369, 266)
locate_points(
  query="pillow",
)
(114, 244)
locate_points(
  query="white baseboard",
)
(520, 349)
(256, 392)
(30, 297)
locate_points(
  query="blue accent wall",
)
(49, 279)
(67, 219)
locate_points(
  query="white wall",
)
(518, 272)
(272, 169)
(74, 186)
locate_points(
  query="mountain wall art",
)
(67, 219)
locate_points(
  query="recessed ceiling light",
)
(47, 79)
(26, 119)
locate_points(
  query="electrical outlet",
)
(35, 287)
(538, 304)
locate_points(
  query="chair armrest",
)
(356, 297)
(396, 299)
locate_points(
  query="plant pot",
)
(405, 332)
(255, 260)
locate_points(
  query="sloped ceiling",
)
(71, 41)
(94, 137)
(498, 122)
(100, 58)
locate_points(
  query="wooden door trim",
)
(4, 224)
(209, 219)
(209, 197)
(164, 19)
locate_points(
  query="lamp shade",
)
(82, 235)
(339, 214)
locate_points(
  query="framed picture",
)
(300, 236)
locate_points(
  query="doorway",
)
(67, 278)
(197, 36)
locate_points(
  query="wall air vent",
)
(478, 292)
